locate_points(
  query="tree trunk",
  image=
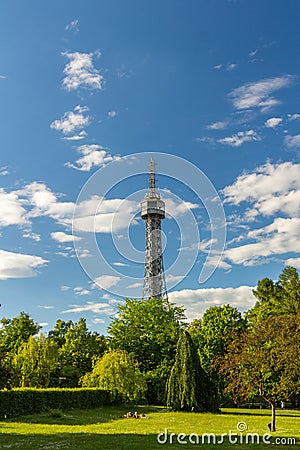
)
(271, 425)
(273, 417)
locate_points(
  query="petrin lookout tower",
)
(153, 212)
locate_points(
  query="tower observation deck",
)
(153, 212)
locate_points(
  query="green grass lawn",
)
(105, 429)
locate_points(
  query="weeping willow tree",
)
(188, 388)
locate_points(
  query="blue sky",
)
(84, 84)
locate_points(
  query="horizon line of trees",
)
(152, 354)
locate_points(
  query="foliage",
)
(14, 332)
(187, 385)
(16, 402)
(78, 350)
(58, 334)
(212, 333)
(34, 362)
(265, 361)
(149, 329)
(117, 371)
(276, 298)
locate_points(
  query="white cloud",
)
(295, 262)
(271, 188)
(4, 171)
(44, 202)
(278, 238)
(76, 137)
(93, 155)
(135, 285)
(175, 208)
(46, 306)
(239, 138)
(217, 125)
(80, 72)
(231, 66)
(293, 116)
(292, 141)
(259, 94)
(252, 53)
(218, 66)
(18, 265)
(28, 234)
(206, 139)
(198, 300)
(65, 288)
(273, 122)
(72, 121)
(62, 237)
(112, 114)
(11, 209)
(98, 320)
(119, 264)
(104, 215)
(97, 308)
(43, 324)
(73, 26)
(106, 281)
(81, 291)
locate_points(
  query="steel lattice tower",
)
(153, 212)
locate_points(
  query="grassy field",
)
(105, 429)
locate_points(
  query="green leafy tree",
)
(188, 385)
(117, 371)
(212, 335)
(58, 334)
(150, 330)
(78, 351)
(14, 332)
(276, 298)
(34, 362)
(265, 361)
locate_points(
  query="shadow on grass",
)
(88, 441)
(85, 417)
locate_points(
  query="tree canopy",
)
(116, 371)
(188, 384)
(149, 329)
(265, 361)
(14, 332)
(276, 298)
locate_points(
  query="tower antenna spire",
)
(153, 212)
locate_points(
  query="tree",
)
(58, 334)
(187, 385)
(116, 371)
(265, 361)
(14, 332)
(212, 335)
(150, 330)
(35, 361)
(276, 298)
(78, 351)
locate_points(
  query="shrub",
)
(18, 402)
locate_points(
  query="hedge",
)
(24, 401)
